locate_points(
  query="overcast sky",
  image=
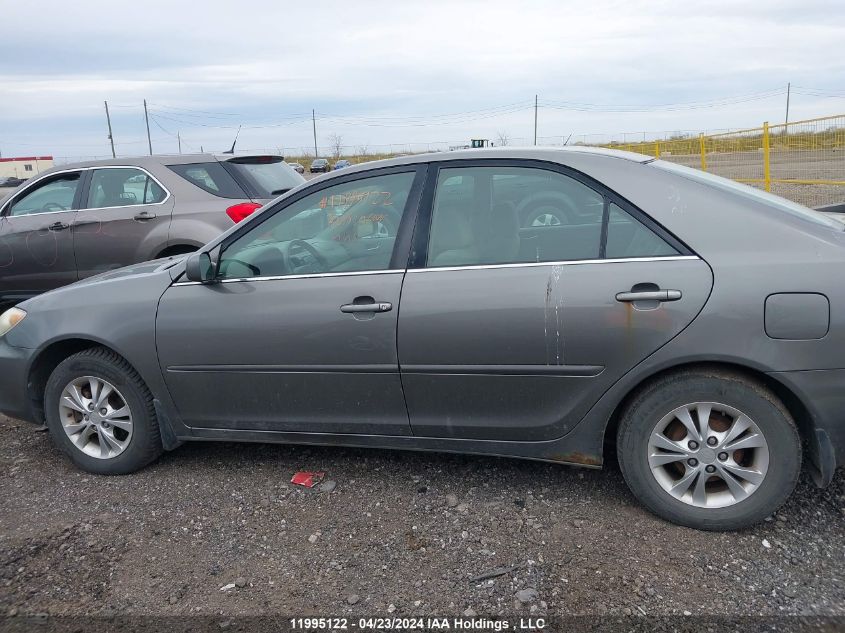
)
(405, 72)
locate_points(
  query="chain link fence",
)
(803, 161)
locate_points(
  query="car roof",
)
(551, 154)
(156, 159)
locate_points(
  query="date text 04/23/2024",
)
(415, 624)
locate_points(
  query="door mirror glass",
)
(199, 267)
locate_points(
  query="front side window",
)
(512, 215)
(56, 194)
(345, 228)
(123, 187)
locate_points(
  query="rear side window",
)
(515, 215)
(210, 177)
(265, 176)
(626, 237)
(509, 215)
(123, 187)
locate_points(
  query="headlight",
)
(10, 318)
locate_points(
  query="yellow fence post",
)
(767, 167)
(703, 151)
(657, 149)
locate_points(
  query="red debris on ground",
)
(307, 479)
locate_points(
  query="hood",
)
(144, 268)
(121, 279)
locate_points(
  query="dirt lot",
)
(218, 530)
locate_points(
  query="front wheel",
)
(101, 413)
(709, 450)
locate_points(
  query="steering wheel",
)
(53, 206)
(294, 244)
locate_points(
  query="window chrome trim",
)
(124, 206)
(571, 262)
(80, 170)
(389, 271)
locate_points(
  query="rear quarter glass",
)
(264, 176)
(212, 178)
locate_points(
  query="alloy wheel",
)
(95, 417)
(708, 455)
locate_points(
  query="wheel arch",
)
(46, 361)
(177, 249)
(791, 401)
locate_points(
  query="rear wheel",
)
(101, 413)
(709, 450)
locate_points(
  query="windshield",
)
(267, 176)
(782, 204)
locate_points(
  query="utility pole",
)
(535, 119)
(788, 87)
(314, 124)
(179, 139)
(108, 120)
(147, 119)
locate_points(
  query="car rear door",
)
(125, 219)
(511, 329)
(298, 334)
(36, 247)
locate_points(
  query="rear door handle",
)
(649, 295)
(58, 226)
(353, 308)
(145, 215)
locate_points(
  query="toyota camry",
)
(685, 325)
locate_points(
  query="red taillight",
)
(243, 210)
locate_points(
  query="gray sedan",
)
(688, 325)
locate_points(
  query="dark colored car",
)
(11, 181)
(319, 165)
(689, 325)
(74, 221)
(342, 163)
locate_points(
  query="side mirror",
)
(198, 267)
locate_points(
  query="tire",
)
(719, 504)
(545, 215)
(141, 447)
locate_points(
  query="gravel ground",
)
(218, 530)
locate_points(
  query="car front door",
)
(298, 333)
(512, 327)
(125, 220)
(36, 247)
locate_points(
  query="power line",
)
(666, 107)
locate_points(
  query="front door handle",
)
(352, 308)
(145, 215)
(57, 226)
(649, 295)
